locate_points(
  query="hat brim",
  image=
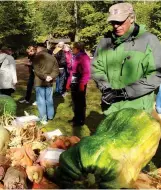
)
(56, 50)
(119, 18)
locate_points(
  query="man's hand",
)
(28, 63)
(110, 96)
(49, 78)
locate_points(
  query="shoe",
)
(44, 122)
(64, 94)
(23, 101)
(35, 103)
(50, 119)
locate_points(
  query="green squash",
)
(7, 105)
(122, 145)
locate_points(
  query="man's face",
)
(120, 28)
(31, 51)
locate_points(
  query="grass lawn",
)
(63, 106)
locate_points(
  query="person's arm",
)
(69, 59)
(55, 70)
(38, 65)
(85, 70)
(40, 72)
(13, 70)
(153, 79)
(97, 70)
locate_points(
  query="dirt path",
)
(22, 70)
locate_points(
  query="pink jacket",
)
(81, 65)
(68, 56)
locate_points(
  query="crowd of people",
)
(126, 68)
(69, 68)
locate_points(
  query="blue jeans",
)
(158, 101)
(45, 104)
(60, 82)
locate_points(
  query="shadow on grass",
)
(157, 158)
(57, 100)
(91, 123)
(21, 107)
(93, 120)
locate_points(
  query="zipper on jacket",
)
(122, 64)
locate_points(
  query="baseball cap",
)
(58, 47)
(119, 12)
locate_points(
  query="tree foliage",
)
(15, 28)
(26, 22)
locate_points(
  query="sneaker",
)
(65, 93)
(24, 101)
(44, 122)
(35, 103)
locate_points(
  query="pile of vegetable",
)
(27, 156)
(113, 157)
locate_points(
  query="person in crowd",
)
(61, 59)
(68, 55)
(48, 46)
(46, 70)
(31, 51)
(8, 74)
(8, 51)
(79, 77)
(127, 63)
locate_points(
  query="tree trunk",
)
(76, 21)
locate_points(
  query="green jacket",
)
(133, 63)
(45, 65)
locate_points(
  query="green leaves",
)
(25, 22)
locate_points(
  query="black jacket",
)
(61, 59)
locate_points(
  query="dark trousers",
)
(7, 91)
(30, 85)
(79, 105)
(61, 81)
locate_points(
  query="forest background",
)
(23, 23)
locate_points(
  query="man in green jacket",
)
(46, 70)
(127, 63)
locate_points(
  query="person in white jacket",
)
(8, 75)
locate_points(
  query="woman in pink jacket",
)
(77, 81)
